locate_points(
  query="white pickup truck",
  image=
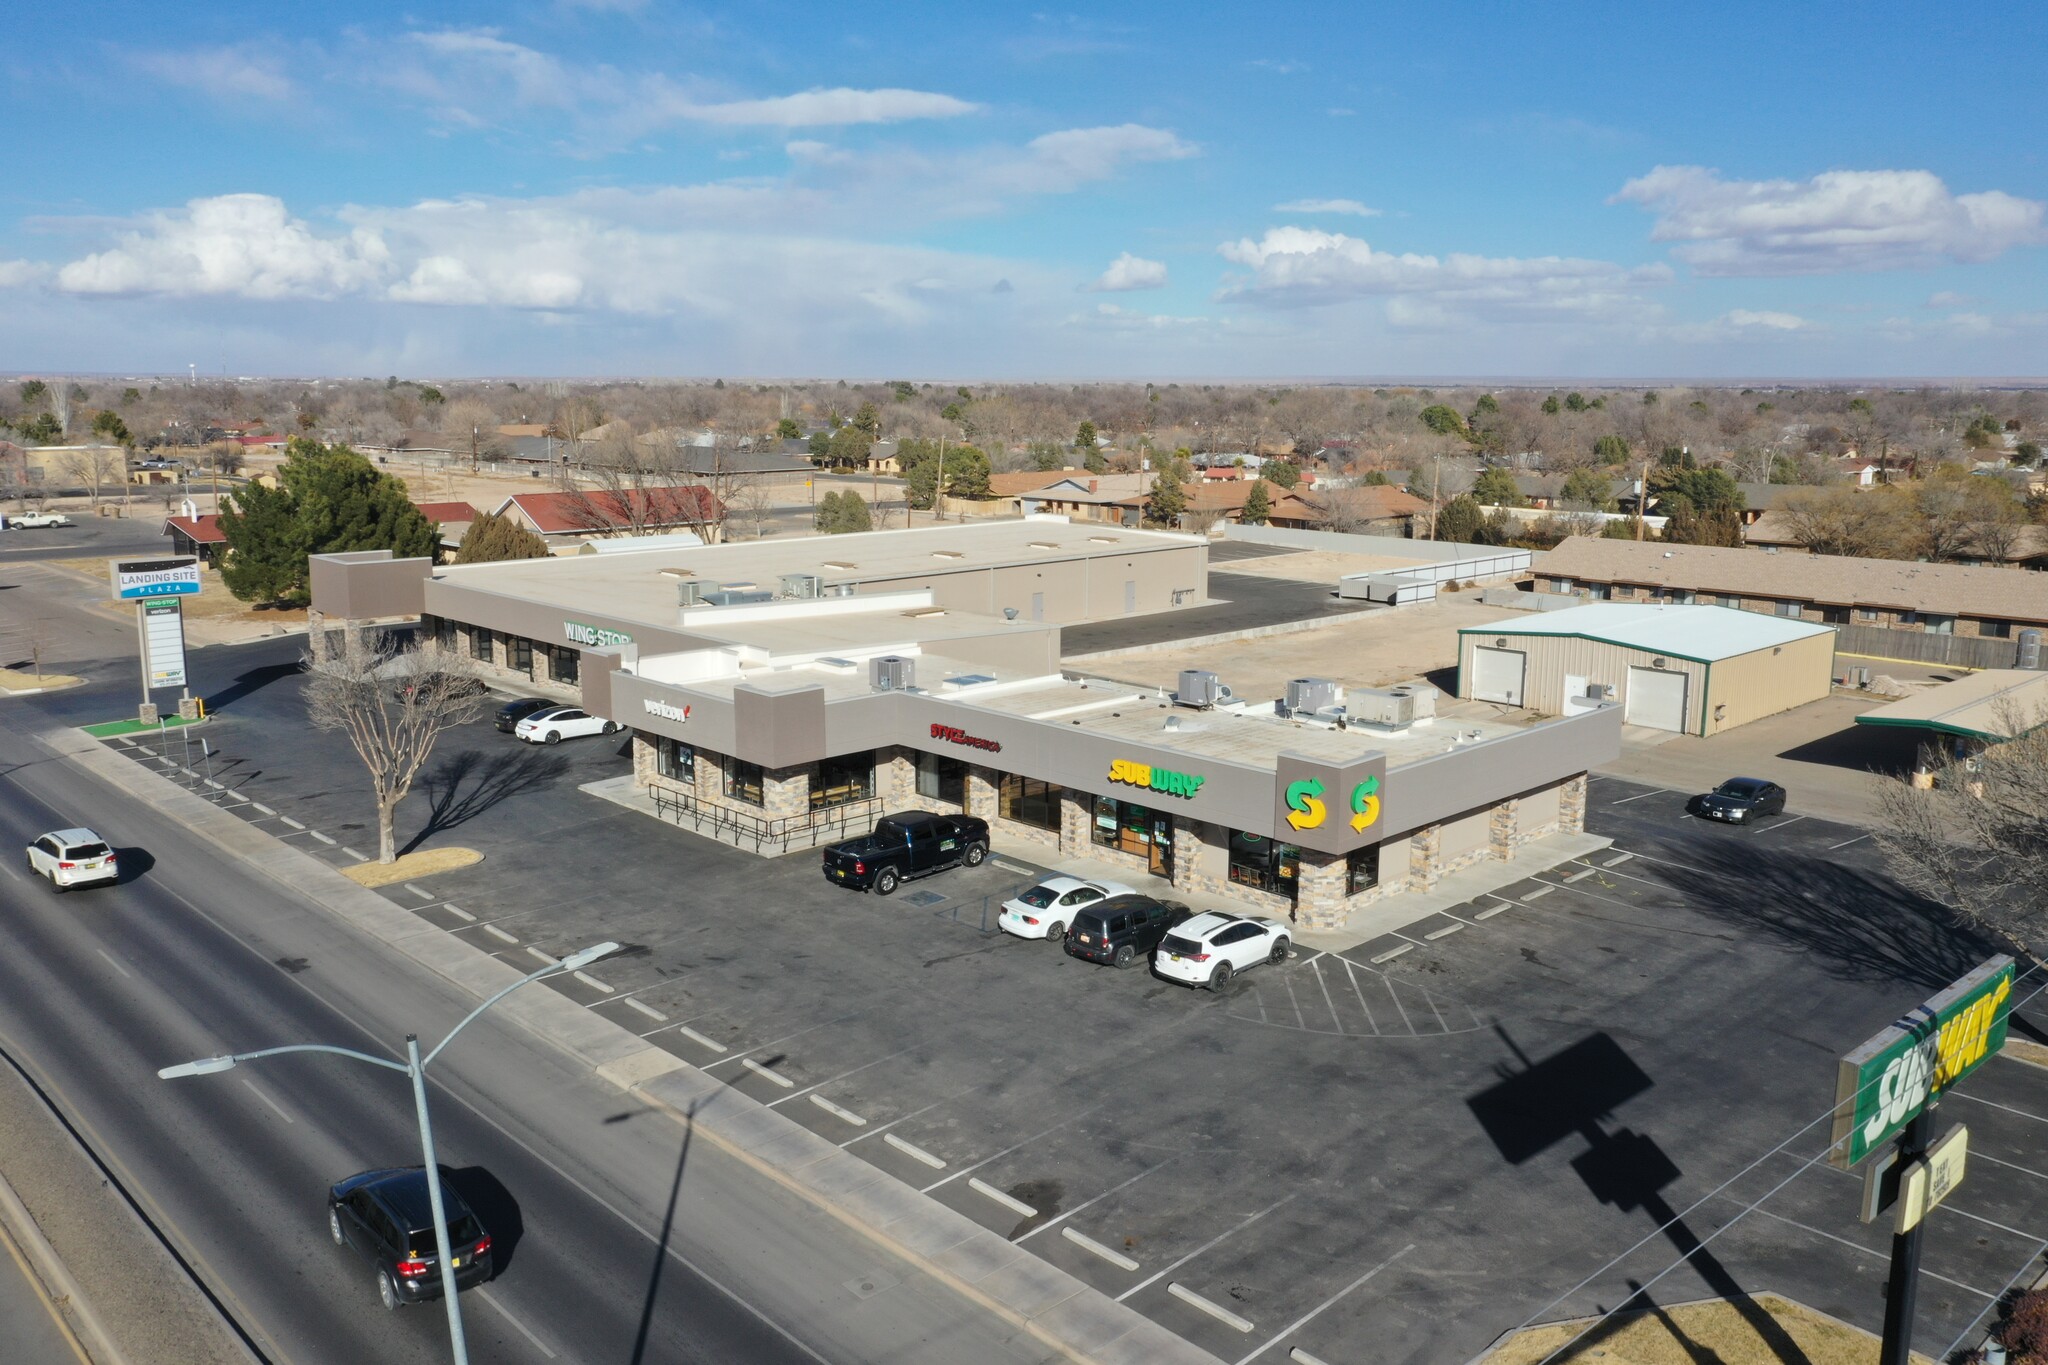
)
(35, 521)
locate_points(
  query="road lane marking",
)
(697, 1037)
(495, 932)
(1214, 1310)
(648, 1010)
(769, 1072)
(838, 1113)
(538, 1345)
(1010, 1202)
(1316, 966)
(1300, 1356)
(275, 1107)
(110, 961)
(915, 1153)
(1782, 824)
(1115, 1258)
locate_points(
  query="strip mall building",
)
(782, 694)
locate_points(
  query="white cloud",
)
(1278, 66)
(1350, 206)
(1837, 221)
(1110, 317)
(240, 244)
(237, 71)
(1076, 156)
(14, 274)
(1745, 319)
(1128, 272)
(827, 108)
(1949, 298)
(1294, 266)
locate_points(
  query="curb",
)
(59, 1289)
(1058, 1309)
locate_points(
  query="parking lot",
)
(1391, 1154)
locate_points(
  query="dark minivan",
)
(388, 1218)
(1123, 929)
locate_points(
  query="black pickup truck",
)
(906, 845)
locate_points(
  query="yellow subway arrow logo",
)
(1365, 804)
(1304, 810)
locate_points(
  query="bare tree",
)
(1977, 839)
(94, 467)
(638, 487)
(754, 501)
(393, 705)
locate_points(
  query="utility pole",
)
(1435, 476)
(938, 489)
(472, 448)
(1642, 498)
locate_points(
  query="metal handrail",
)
(762, 832)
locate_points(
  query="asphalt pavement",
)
(31, 1332)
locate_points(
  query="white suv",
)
(72, 857)
(1048, 908)
(1211, 948)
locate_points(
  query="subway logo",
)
(1162, 780)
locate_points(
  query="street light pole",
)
(415, 1067)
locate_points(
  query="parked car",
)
(388, 1218)
(910, 844)
(452, 684)
(73, 857)
(553, 724)
(512, 712)
(1122, 929)
(1741, 800)
(1046, 909)
(1211, 948)
(38, 521)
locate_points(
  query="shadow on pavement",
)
(668, 1225)
(255, 680)
(494, 1207)
(466, 784)
(1863, 748)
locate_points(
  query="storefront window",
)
(479, 643)
(1264, 864)
(942, 778)
(564, 663)
(519, 654)
(843, 780)
(1362, 869)
(444, 633)
(743, 781)
(675, 760)
(1030, 802)
(1124, 825)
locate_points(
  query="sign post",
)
(156, 586)
(1886, 1091)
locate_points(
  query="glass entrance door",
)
(1161, 851)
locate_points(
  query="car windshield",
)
(462, 1230)
(86, 851)
(1038, 897)
(1741, 786)
(1174, 943)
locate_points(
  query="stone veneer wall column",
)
(1424, 864)
(1074, 818)
(1504, 829)
(1187, 859)
(981, 794)
(643, 760)
(786, 792)
(1319, 901)
(1571, 806)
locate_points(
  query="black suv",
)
(387, 1217)
(1123, 929)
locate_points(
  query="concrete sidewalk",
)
(1059, 1309)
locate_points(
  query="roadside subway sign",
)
(1886, 1082)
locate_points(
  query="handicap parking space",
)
(1298, 1160)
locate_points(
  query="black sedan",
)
(1741, 800)
(512, 712)
(387, 1218)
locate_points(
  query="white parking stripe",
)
(1219, 1237)
(1640, 796)
(697, 1037)
(1016, 1145)
(286, 819)
(495, 932)
(1781, 824)
(1300, 1355)
(838, 1113)
(769, 1072)
(1010, 1202)
(648, 1010)
(1214, 1310)
(1846, 842)
(915, 1153)
(1115, 1258)
(1055, 1222)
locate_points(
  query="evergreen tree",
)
(867, 419)
(1258, 504)
(1460, 520)
(1094, 461)
(328, 499)
(788, 430)
(1496, 488)
(492, 538)
(1280, 474)
(1610, 449)
(1168, 499)
(1084, 436)
(839, 513)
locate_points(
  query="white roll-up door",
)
(1497, 674)
(1656, 699)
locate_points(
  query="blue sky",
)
(612, 187)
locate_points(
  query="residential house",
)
(1367, 509)
(1117, 498)
(200, 533)
(574, 516)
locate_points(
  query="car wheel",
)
(885, 881)
(56, 885)
(1220, 978)
(387, 1291)
(1280, 949)
(554, 737)
(334, 1227)
(609, 728)
(1057, 933)
(975, 854)
(1124, 957)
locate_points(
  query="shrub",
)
(2025, 1332)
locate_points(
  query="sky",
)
(946, 191)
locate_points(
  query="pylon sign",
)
(1885, 1083)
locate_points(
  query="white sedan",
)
(72, 857)
(1048, 908)
(557, 723)
(1211, 948)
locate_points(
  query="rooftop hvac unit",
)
(1308, 695)
(1600, 691)
(736, 597)
(1201, 689)
(1394, 708)
(892, 673)
(689, 592)
(2030, 655)
(799, 585)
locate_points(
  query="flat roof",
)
(641, 585)
(1987, 705)
(1691, 632)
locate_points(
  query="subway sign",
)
(1165, 781)
(1885, 1083)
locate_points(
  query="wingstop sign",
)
(1883, 1084)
